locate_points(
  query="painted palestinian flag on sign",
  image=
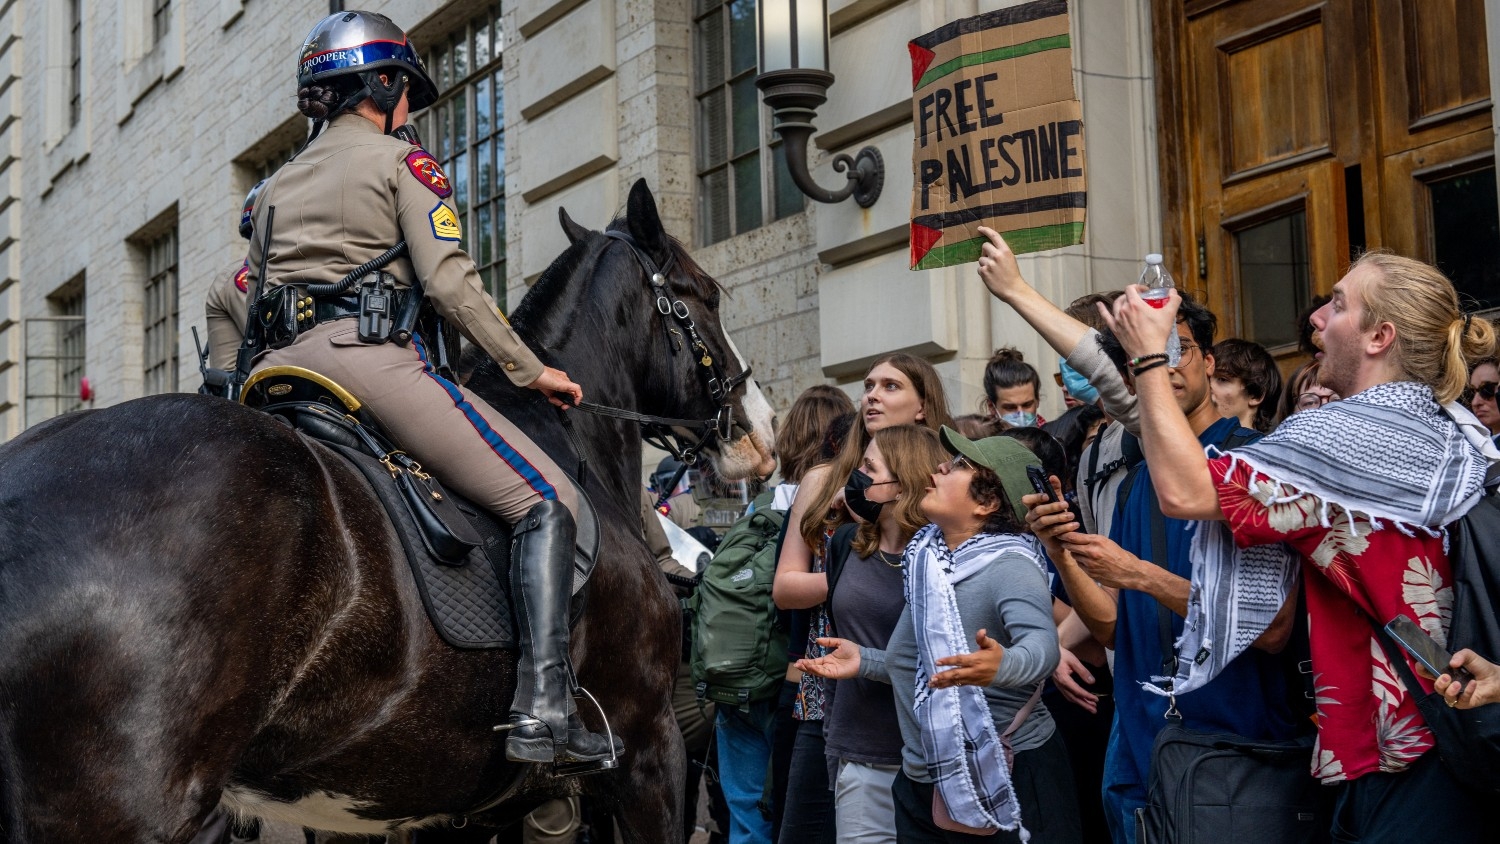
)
(999, 135)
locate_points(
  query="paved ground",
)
(278, 833)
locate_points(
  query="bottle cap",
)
(1153, 258)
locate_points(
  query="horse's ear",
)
(574, 231)
(643, 220)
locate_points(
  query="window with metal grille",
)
(743, 182)
(161, 20)
(465, 131)
(73, 344)
(75, 62)
(161, 314)
(271, 163)
(56, 346)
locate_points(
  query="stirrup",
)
(578, 769)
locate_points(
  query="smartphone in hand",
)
(1425, 650)
(1040, 483)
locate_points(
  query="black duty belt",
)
(329, 308)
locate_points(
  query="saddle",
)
(458, 553)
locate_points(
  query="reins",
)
(659, 430)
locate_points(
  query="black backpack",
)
(1468, 740)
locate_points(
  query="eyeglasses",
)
(1187, 352)
(1311, 400)
(958, 462)
(1485, 390)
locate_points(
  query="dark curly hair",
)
(1201, 323)
(985, 488)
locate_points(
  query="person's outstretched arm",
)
(1067, 336)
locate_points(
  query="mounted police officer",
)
(227, 303)
(353, 192)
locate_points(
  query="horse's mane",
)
(529, 316)
(549, 285)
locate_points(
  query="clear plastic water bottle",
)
(1158, 283)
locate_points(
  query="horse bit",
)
(657, 430)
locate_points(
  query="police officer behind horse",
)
(353, 192)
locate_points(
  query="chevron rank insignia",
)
(427, 171)
(444, 223)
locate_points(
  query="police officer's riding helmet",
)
(247, 214)
(361, 45)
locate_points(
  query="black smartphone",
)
(1425, 650)
(1040, 483)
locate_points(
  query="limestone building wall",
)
(597, 93)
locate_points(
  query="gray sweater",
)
(1008, 598)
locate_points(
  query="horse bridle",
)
(659, 430)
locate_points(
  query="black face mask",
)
(854, 496)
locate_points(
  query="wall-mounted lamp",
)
(794, 79)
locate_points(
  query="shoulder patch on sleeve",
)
(444, 223)
(427, 171)
(242, 278)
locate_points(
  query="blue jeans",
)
(1122, 794)
(744, 755)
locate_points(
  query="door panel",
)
(1277, 115)
(1279, 240)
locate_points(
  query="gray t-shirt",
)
(1009, 599)
(867, 603)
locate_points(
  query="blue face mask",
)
(1019, 418)
(1077, 386)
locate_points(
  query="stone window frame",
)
(71, 300)
(159, 309)
(449, 131)
(723, 95)
(161, 20)
(75, 62)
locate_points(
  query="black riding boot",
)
(542, 579)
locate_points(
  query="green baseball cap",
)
(1005, 456)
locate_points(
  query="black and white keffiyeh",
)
(1389, 454)
(964, 754)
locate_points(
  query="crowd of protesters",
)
(973, 659)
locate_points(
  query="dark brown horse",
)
(197, 604)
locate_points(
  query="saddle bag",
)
(445, 529)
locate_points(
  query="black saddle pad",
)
(470, 603)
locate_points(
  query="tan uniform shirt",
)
(226, 307)
(353, 194)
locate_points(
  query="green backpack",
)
(739, 648)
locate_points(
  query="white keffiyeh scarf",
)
(1389, 453)
(964, 755)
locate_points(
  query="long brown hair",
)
(929, 386)
(801, 437)
(912, 453)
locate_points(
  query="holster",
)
(282, 313)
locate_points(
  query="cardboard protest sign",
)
(999, 135)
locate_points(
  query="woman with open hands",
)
(965, 714)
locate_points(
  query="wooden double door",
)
(1295, 134)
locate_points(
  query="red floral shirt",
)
(1366, 720)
